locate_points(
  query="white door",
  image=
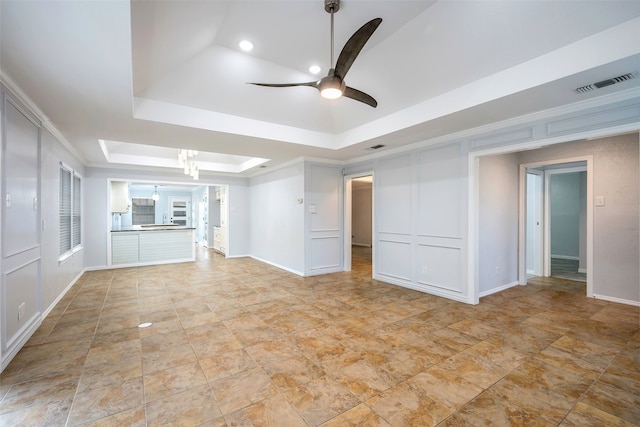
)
(180, 211)
(535, 202)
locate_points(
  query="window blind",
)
(76, 220)
(65, 210)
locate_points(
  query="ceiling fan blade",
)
(353, 47)
(352, 93)
(311, 84)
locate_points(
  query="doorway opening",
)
(358, 237)
(556, 217)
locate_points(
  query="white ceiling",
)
(150, 77)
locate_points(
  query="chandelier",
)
(187, 162)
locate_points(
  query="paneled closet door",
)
(21, 304)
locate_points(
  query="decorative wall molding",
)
(508, 137)
(595, 120)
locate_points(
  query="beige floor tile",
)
(619, 402)
(174, 380)
(276, 348)
(44, 391)
(242, 389)
(273, 411)
(445, 387)
(292, 372)
(134, 417)
(167, 358)
(98, 403)
(226, 364)
(360, 416)
(321, 399)
(193, 407)
(489, 409)
(404, 405)
(98, 375)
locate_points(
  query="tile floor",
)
(567, 269)
(239, 343)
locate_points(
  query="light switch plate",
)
(599, 201)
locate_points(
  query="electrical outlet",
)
(424, 270)
(497, 270)
(21, 309)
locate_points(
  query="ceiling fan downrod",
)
(331, 6)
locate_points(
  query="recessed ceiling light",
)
(314, 69)
(246, 45)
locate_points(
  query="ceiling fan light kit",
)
(332, 86)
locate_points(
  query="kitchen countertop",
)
(152, 227)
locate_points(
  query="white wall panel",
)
(21, 287)
(393, 198)
(21, 216)
(394, 259)
(443, 266)
(323, 191)
(323, 218)
(326, 253)
(440, 190)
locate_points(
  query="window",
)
(143, 211)
(70, 211)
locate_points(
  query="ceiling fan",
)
(332, 86)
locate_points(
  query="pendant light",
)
(155, 195)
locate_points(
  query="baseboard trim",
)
(62, 294)
(290, 270)
(16, 345)
(498, 289)
(569, 257)
(618, 300)
(582, 270)
(238, 256)
(97, 268)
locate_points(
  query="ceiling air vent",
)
(608, 82)
(375, 147)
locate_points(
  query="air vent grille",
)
(608, 82)
(375, 147)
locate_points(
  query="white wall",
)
(615, 226)
(361, 214)
(498, 222)
(57, 276)
(582, 233)
(564, 214)
(277, 218)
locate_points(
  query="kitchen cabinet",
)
(120, 197)
(218, 214)
(219, 240)
(152, 245)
